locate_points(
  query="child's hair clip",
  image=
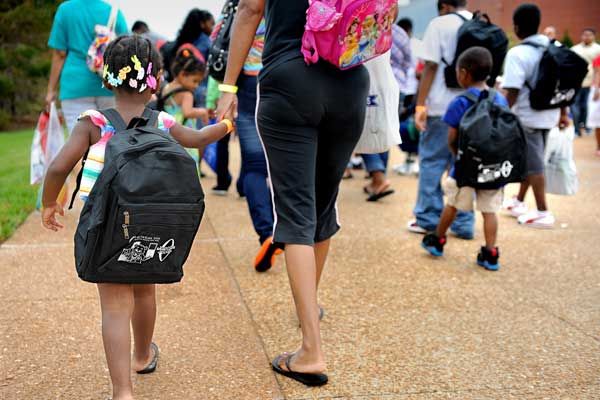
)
(143, 87)
(186, 53)
(133, 83)
(123, 72)
(150, 79)
(105, 71)
(114, 82)
(137, 65)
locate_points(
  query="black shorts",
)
(309, 119)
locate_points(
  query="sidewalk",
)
(398, 324)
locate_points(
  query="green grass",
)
(17, 196)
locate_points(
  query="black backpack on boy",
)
(560, 75)
(492, 148)
(140, 219)
(219, 50)
(478, 31)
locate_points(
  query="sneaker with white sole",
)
(537, 219)
(515, 207)
(415, 228)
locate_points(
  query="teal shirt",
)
(73, 32)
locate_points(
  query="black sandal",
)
(302, 377)
(150, 368)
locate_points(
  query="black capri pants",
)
(309, 119)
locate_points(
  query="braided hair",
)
(118, 62)
(186, 62)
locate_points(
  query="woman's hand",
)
(50, 97)
(227, 107)
(49, 217)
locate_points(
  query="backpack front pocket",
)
(148, 243)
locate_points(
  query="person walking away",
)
(593, 120)
(403, 66)
(71, 35)
(474, 67)
(520, 70)
(131, 72)
(309, 120)
(141, 28)
(588, 49)
(433, 98)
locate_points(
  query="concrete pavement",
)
(399, 324)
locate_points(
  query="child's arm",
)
(453, 140)
(199, 139)
(189, 111)
(59, 170)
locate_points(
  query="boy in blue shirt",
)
(473, 69)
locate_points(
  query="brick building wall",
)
(567, 16)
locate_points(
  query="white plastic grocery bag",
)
(561, 172)
(382, 123)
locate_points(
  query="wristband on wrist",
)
(420, 109)
(229, 124)
(228, 88)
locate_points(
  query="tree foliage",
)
(24, 56)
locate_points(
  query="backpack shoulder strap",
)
(151, 116)
(470, 96)
(78, 180)
(459, 16)
(114, 118)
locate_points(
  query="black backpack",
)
(478, 31)
(560, 75)
(492, 148)
(140, 219)
(219, 50)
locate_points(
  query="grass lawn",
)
(17, 196)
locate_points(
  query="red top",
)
(596, 62)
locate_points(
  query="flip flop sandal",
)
(150, 368)
(302, 377)
(376, 196)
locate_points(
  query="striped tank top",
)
(95, 160)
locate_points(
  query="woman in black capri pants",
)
(309, 120)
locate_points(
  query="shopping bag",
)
(38, 148)
(382, 124)
(561, 172)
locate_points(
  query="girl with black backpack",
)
(132, 70)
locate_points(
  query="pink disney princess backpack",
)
(347, 33)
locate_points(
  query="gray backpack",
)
(492, 148)
(141, 217)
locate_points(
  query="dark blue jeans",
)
(254, 165)
(434, 159)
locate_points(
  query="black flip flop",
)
(305, 378)
(150, 368)
(377, 196)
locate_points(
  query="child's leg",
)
(490, 229)
(116, 301)
(142, 322)
(448, 216)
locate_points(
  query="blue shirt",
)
(459, 106)
(73, 32)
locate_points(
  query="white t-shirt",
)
(521, 66)
(439, 43)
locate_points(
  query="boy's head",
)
(526, 20)
(132, 65)
(588, 36)
(407, 25)
(140, 27)
(474, 66)
(187, 68)
(449, 6)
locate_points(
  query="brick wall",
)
(570, 15)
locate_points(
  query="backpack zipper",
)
(125, 225)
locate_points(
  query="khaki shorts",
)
(488, 201)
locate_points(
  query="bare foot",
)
(140, 362)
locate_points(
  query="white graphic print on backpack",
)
(144, 248)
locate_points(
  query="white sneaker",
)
(415, 228)
(401, 169)
(515, 207)
(538, 219)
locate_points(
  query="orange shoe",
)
(266, 255)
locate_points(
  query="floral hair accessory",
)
(114, 82)
(133, 82)
(137, 65)
(143, 87)
(150, 79)
(123, 72)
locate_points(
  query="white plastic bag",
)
(561, 172)
(382, 123)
